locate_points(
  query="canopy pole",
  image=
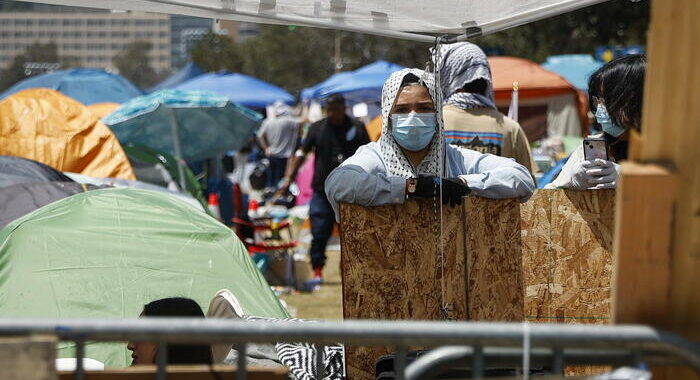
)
(175, 133)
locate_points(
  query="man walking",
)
(332, 140)
(278, 138)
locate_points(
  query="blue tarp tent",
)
(88, 86)
(362, 85)
(239, 88)
(575, 68)
(186, 73)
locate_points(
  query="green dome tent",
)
(106, 253)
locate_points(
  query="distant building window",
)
(163, 34)
(96, 22)
(4, 22)
(163, 22)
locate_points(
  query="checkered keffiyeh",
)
(463, 63)
(393, 156)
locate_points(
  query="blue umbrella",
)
(188, 72)
(239, 88)
(362, 85)
(88, 86)
(191, 125)
(575, 68)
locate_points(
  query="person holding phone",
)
(615, 96)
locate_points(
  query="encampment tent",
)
(358, 86)
(388, 18)
(575, 68)
(21, 199)
(239, 88)
(88, 86)
(14, 170)
(548, 106)
(188, 72)
(105, 253)
(46, 126)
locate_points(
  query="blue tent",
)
(88, 86)
(362, 85)
(575, 68)
(239, 88)
(186, 73)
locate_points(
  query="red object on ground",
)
(213, 199)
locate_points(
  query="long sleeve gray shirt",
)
(365, 179)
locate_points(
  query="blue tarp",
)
(575, 68)
(239, 88)
(362, 85)
(88, 86)
(186, 73)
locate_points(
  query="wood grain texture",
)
(28, 357)
(567, 249)
(180, 372)
(494, 257)
(671, 134)
(391, 268)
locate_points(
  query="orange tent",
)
(548, 103)
(102, 109)
(46, 126)
(374, 128)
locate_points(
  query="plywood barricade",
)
(548, 260)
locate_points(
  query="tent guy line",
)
(498, 17)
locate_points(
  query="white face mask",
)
(413, 131)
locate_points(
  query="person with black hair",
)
(145, 352)
(616, 91)
(332, 140)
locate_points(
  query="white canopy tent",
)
(409, 19)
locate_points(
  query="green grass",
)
(326, 303)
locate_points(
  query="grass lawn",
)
(325, 303)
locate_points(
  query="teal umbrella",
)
(190, 125)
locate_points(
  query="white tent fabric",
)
(394, 18)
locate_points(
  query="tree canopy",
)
(133, 63)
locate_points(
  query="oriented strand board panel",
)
(494, 259)
(391, 269)
(28, 358)
(567, 248)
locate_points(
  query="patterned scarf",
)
(393, 156)
(464, 63)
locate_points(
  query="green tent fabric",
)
(106, 253)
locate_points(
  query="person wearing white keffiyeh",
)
(401, 166)
(472, 120)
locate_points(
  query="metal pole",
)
(242, 353)
(175, 134)
(400, 362)
(79, 355)
(162, 361)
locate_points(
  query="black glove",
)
(453, 189)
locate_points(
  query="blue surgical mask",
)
(609, 126)
(413, 131)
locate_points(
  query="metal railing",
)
(478, 344)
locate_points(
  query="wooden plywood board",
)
(391, 269)
(494, 256)
(181, 372)
(30, 358)
(567, 245)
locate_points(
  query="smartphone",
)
(595, 147)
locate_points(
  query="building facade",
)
(87, 39)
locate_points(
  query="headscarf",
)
(463, 63)
(393, 156)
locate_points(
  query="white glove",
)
(596, 174)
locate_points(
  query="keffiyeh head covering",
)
(393, 156)
(463, 63)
